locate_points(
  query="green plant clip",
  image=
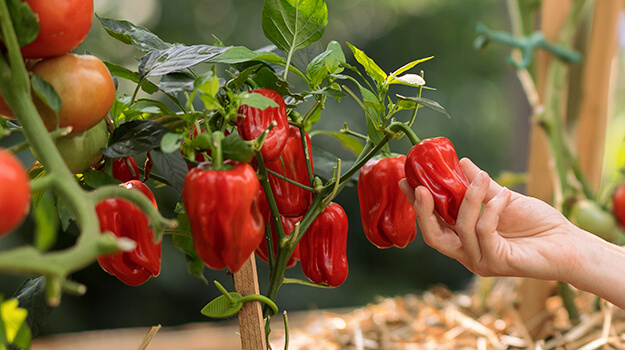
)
(230, 303)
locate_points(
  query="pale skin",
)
(520, 236)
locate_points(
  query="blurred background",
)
(489, 124)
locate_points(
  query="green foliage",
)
(24, 20)
(294, 24)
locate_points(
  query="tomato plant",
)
(63, 25)
(14, 191)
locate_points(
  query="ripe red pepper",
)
(255, 121)
(434, 164)
(323, 249)
(288, 223)
(291, 199)
(125, 219)
(124, 173)
(388, 219)
(223, 209)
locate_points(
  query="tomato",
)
(81, 151)
(591, 217)
(618, 204)
(63, 25)
(85, 86)
(14, 192)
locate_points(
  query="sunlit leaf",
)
(372, 69)
(294, 24)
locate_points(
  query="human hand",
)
(513, 235)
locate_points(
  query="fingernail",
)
(479, 179)
(502, 193)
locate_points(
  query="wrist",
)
(597, 267)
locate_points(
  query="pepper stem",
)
(401, 127)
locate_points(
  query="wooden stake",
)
(251, 324)
(596, 90)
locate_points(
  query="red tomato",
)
(14, 192)
(85, 86)
(63, 25)
(618, 204)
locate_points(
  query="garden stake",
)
(251, 325)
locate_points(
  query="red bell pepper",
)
(288, 223)
(223, 209)
(323, 249)
(254, 121)
(388, 219)
(124, 173)
(291, 199)
(434, 164)
(125, 219)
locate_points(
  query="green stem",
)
(293, 182)
(398, 126)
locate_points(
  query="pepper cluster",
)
(231, 226)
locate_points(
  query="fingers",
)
(434, 233)
(486, 227)
(471, 171)
(469, 215)
(407, 190)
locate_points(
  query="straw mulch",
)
(483, 318)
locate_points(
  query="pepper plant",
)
(224, 126)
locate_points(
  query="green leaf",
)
(13, 318)
(414, 102)
(195, 265)
(208, 86)
(25, 22)
(131, 34)
(328, 62)
(255, 100)
(240, 54)
(170, 166)
(221, 307)
(294, 24)
(347, 141)
(47, 223)
(176, 82)
(134, 137)
(235, 148)
(145, 107)
(176, 58)
(372, 69)
(331, 91)
(171, 142)
(4, 128)
(124, 73)
(408, 66)
(32, 297)
(326, 161)
(95, 178)
(120, 105)
(46, 93)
